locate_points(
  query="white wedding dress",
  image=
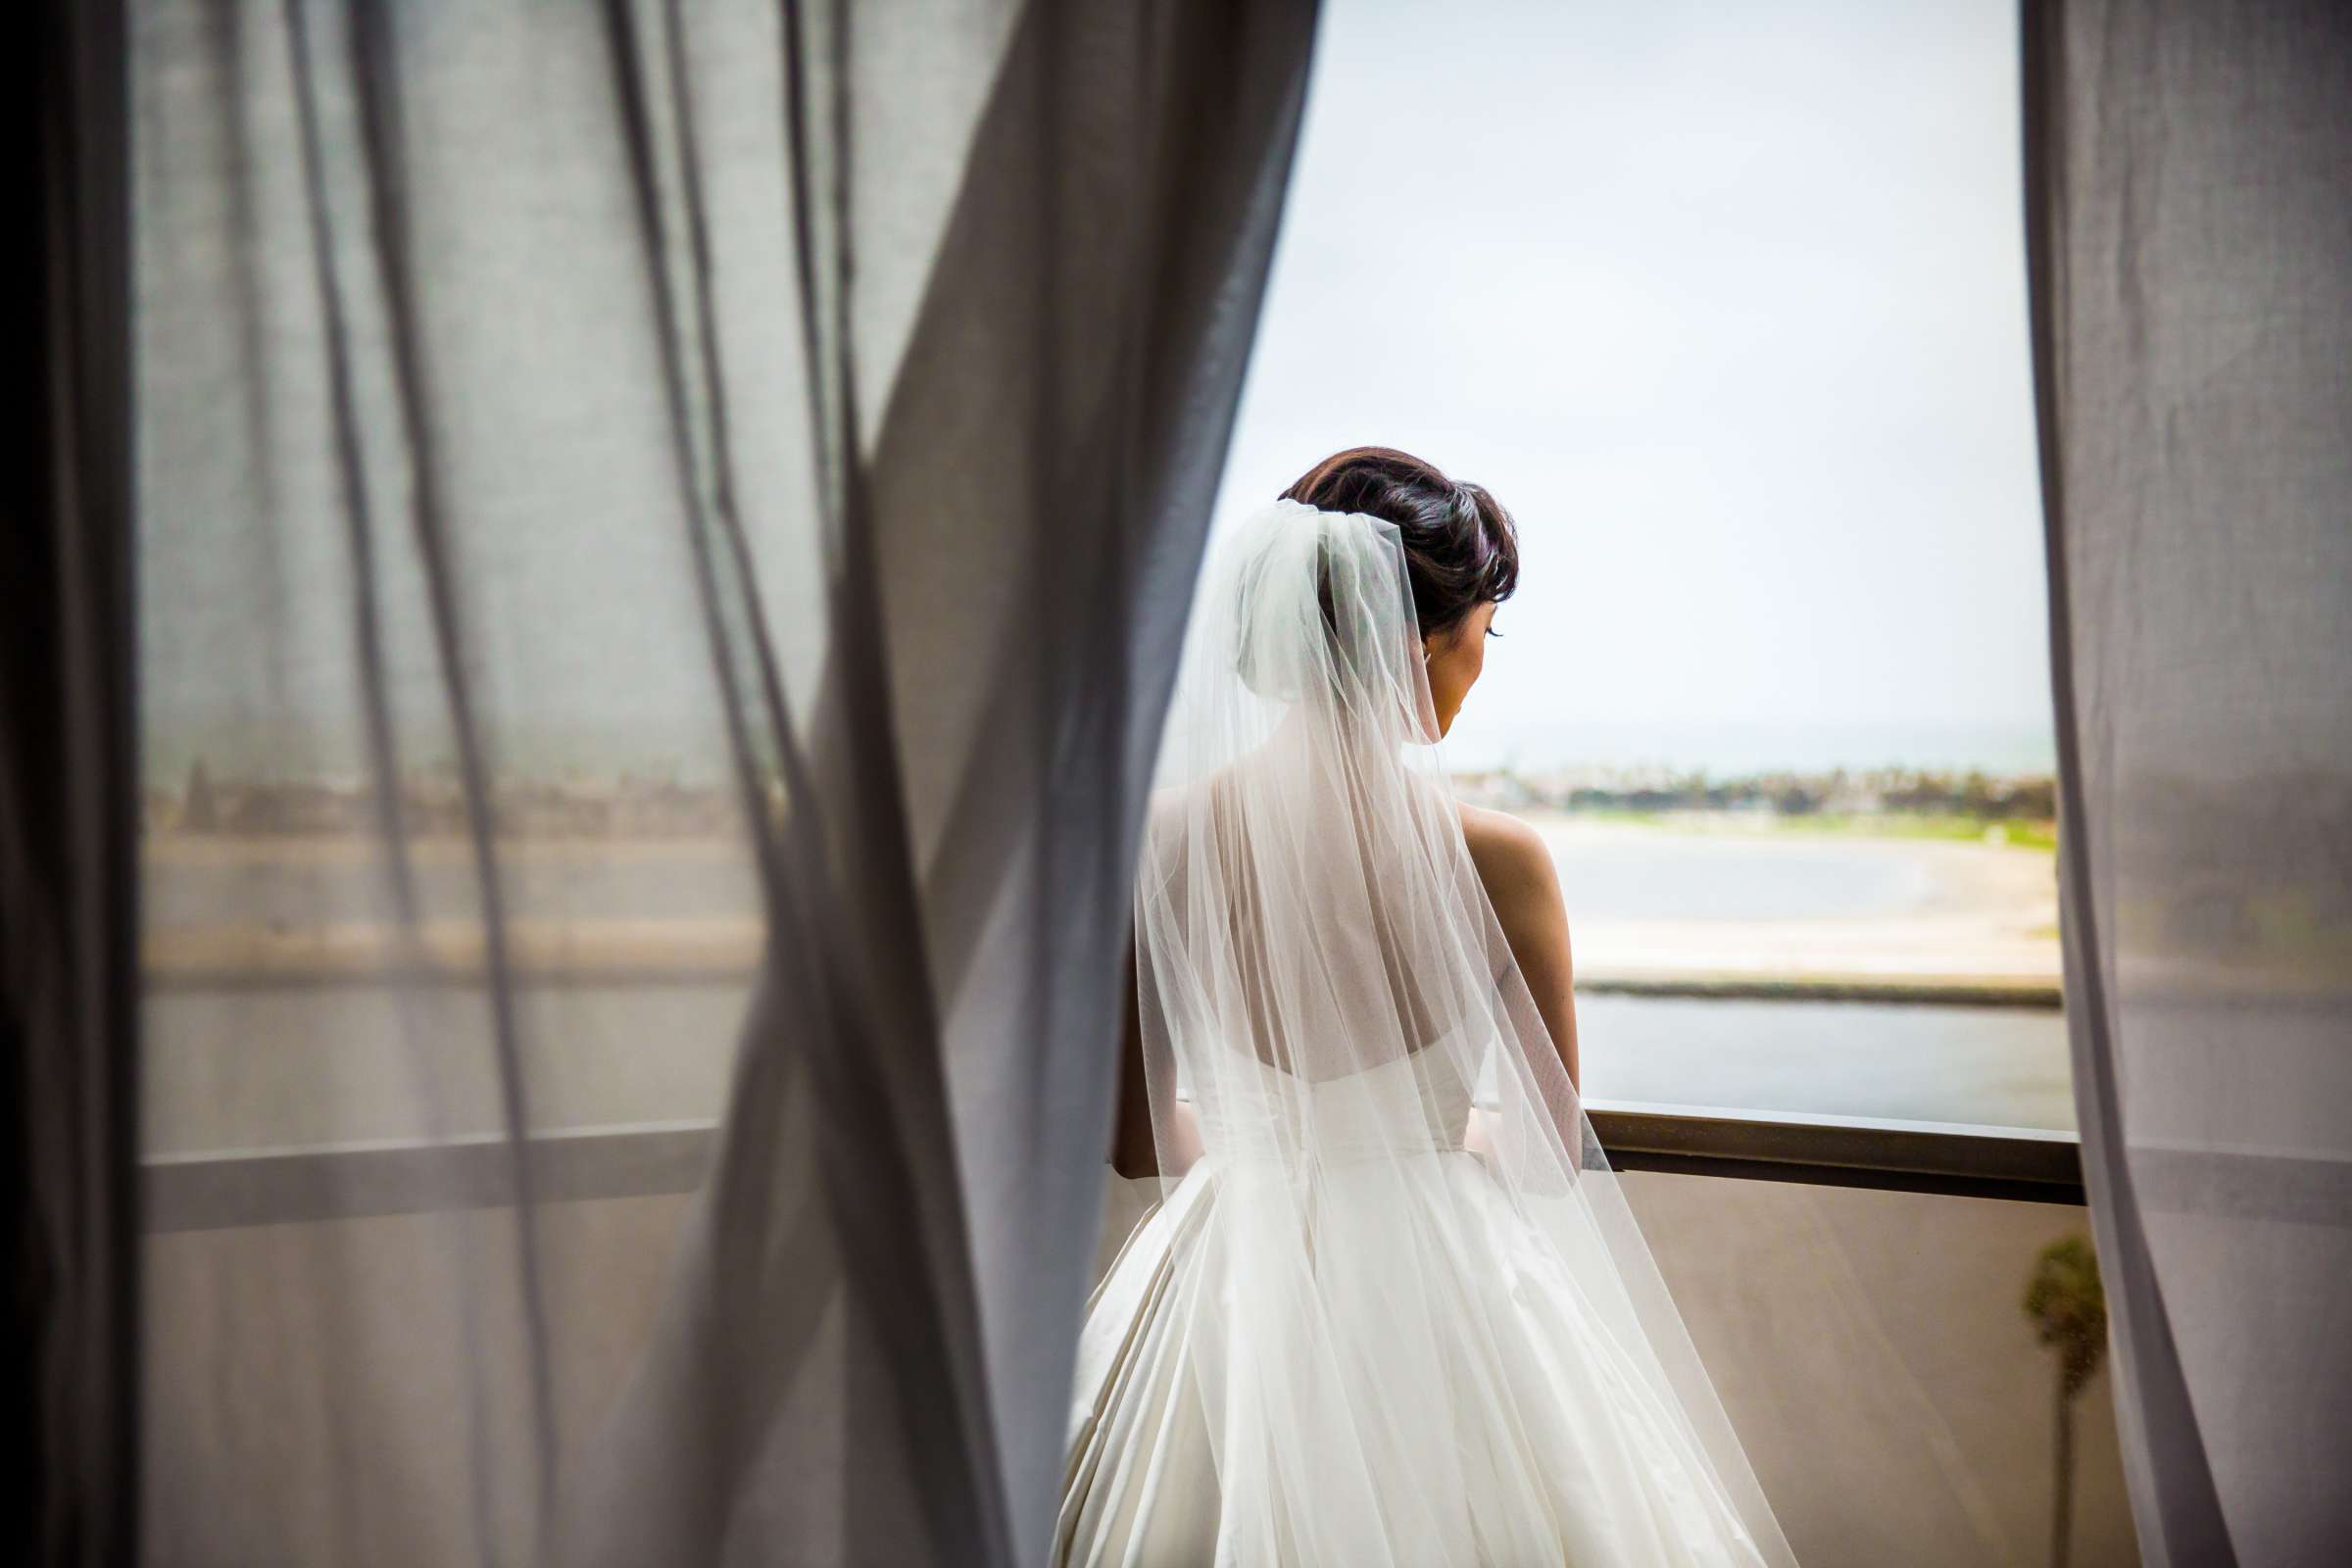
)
(1344, 1336)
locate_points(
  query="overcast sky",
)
(1726, 304)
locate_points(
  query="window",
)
(1730, 310)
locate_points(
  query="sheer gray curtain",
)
(2190, 189)
(666, 528)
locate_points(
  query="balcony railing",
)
(212, 1190)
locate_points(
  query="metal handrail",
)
(260, 1187)
(1950, 1158)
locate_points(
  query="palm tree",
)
(2068, 1309)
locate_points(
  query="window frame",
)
(240, 1188)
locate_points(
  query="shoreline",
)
(182, 846)
(1968, 922)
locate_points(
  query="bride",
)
(1391, 1307)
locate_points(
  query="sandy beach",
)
(1806, 905)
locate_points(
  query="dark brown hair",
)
(1462, 549)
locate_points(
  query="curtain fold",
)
(673, 522)
(69, 811)
(2189, 190)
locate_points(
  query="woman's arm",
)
(1134, 1137)
(1131, 1145)
(1514, 864)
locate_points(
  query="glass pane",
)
(1730, 312)
(1883, 1357)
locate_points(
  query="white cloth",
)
(1517, 1429)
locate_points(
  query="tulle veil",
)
(1331, 1017)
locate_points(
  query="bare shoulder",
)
(1512, 858)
